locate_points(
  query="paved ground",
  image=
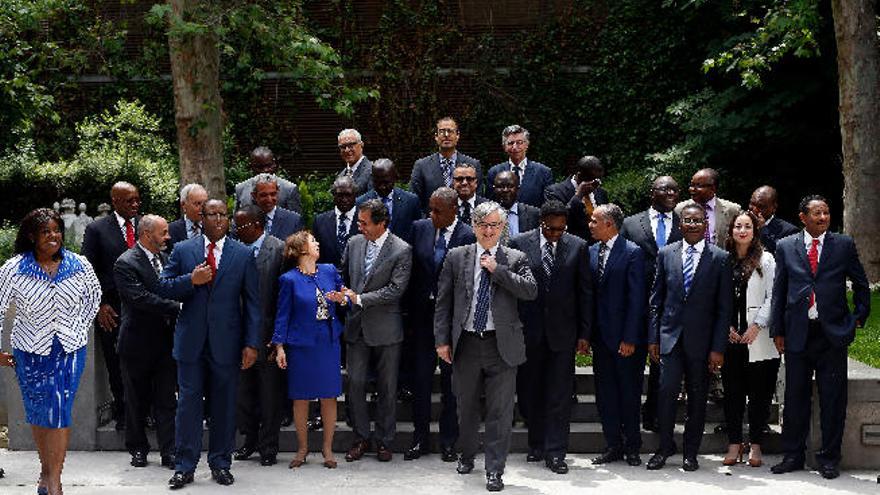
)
(109, 473)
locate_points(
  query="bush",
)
(124, 144)
(314, 191)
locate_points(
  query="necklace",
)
(312, 274)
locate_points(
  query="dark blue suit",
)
(422, 292)
(818, 345)
(619, 299)
(216, 321)
(404, 211)
(688, 327)
(324, 230)
(177, 232)
(285, 223)
(535, 179)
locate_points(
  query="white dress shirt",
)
(121, 222)
(813, 312)
(522, 167)
(699, 246)
(349, 217)
(490, 324)
(448, 234)
(667, 220)
(218, 249)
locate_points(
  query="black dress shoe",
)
(610, 455)
(534, 455)
(786, 466)
(415, 451)
(244, 453)
(690, 464)
(649, 424)
(633, 459)
(657, 461)
(465, 465)
(120, 424)
(557, 465)
(493, 482)
(222, 476)
(829, 472)
(447, 454)
(139, 459)
(180, 480)
(168, 461)
(268, 459)
(404, 395)
(150, 422)
(315, 424)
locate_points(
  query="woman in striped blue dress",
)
(56, 297)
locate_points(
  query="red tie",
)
(129, 234)
(813, 256)
(212, 262)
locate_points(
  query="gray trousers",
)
(478, 368)
(387, 359)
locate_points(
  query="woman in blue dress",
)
(56, 296)
(306, 339)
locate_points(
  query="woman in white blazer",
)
(751, 361)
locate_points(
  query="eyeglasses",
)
(700, 186)
(518, 142)
(554, 229)
(665, 189)
(244, 226)
(447, 132)
(214, 216)
(487, 225)
(464, 179)
(692, 221)
(345, 146)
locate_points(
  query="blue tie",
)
(371, 257)
(660, 235)
(689, 269)
(341, 232)
(387, 203)
(481, 313)
(440, 249)
(512, 223)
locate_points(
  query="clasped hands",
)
(747, 338)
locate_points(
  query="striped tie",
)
(481, 313)
(547, 259)
(446, 164)
(689, 269)
(603, 252)
(372, 251)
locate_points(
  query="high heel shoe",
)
(755, 456)
(298, 461)
(329, 461)
(730, 461)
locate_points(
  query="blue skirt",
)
(313, 372)
(49, 383)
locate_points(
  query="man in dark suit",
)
(357, 166)
(104, 240)
(259, 388)
(465, 182)
(813, 326)
(146, 336)
(333, 228)
(619, 300)
(435, 170)
(477, 329)
(280, 223)
(763, 204)
(533, 176)
(521, 217)
(556, 324)
(587, 169)
(691, 305)
(262, 161)
(192, 197)
(217, 334)
(403, 206)
(651, 230)
(432, 239)
(376, 266)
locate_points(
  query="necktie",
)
(387, 202)
(212, 261)
(269, 224)
(547, 259)
(465, 215)
(446, 164)
(348, 171)
(518, 171)
(372, 250)
(341, 232)
(689, 269)
(708, 233)
(603, 254)
(194, 231)
(512, 223)
(440, 249)
(129, 234)
(813, 257)
(156, 265)
(660, 235)
(481, 313)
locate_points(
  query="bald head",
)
(763, 202)
(384, 176)
(126, 199)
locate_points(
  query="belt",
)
(486, 334)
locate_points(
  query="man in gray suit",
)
(435, 170)
(376, 266)
(357, 166)
(477, 329)
(263, 162)
(719, 212)
(259, 392)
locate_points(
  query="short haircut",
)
(187, 189)
(465, 165)
(342, 182)
(611, 211)
(377, 209)
(514, 129)
(357, 135)
(713, 174)
(694, 206)
(446, 194)
(485, 209)
(804, 206)
(441, 119)
(262, 151)
(383, 163)
(554, 208)
(505, 173)
(254, 213)
(147, 223)
(31, 225)
(589, 162)
(265, 179)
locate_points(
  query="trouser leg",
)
(500, 390)
(358, 356)
(467, 382)
(188, 437)
(387, 367)
(221, 435)
(697, 385)
(736, 381)
(671, 370)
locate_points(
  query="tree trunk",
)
(195, 73)
(858, 68)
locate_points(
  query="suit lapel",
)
(469, 274)
(701, 265)
(226, 258)
(802, 251)
(614, 256)
(383, 253)
(561, 250)
(676, 269)
(645, 222)
(827, 250)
